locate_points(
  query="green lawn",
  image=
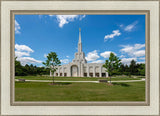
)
(73, 78)
(42, 91)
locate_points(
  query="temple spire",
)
(79, 43)
(79, 35)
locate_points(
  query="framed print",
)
(80, 57)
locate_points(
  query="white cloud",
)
(81, 17)
(98, 61)
(121, 56)
(20, 53)
(139, 46)
(106, 54)
(143, 62)
(51, 15)
(130, 27)
(142, 58)
(128, 49)
(65, 61)
(23, 48)
(121, 25)
(67, 56)
(139, 53)
(133, 50)
(91, 56)
(110, 36)
(65, 19)
(26, 60)
(17, 27)
(127, 60)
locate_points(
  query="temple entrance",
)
(74, 71)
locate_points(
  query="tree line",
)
(132, 69)
(113, 66)
(27, 70)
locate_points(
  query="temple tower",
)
(79, 42)
(79, 56)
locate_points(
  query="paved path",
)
(81, 81)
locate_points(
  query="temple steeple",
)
(79, 43)
(79, 56)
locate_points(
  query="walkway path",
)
(81, 81)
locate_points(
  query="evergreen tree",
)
(133, 67)
(141, 69)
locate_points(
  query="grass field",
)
(74, 78)
(43, 91)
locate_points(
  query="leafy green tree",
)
(112, 64)
(126, 70)
(51, 62)
(141, 69)
(31, 69)
(19, 69)
(133, 67)
(40, 70)
(122, 69)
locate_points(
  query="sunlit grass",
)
(43, 91)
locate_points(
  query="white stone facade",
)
(79, 66)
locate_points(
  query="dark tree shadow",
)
(121, 84)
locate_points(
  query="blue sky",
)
(38, 35)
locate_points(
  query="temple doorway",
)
(74, 71)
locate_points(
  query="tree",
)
(141, 69)
(19, 70)
(133, 67)
(122, 69)
(127, 70)
(51, 62)
(112, 64)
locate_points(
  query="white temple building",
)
(79, 66)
